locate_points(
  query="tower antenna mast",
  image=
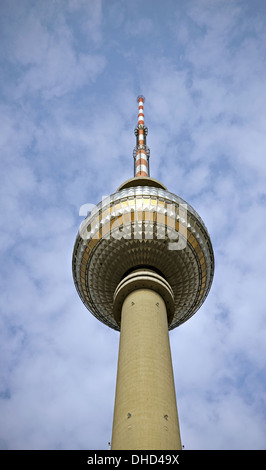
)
(141, 152)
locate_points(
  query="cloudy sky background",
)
(70, 73)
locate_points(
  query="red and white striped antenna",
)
(141, 152)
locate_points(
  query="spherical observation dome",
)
(142, 225)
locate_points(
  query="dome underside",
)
(139, 238)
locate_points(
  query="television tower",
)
(143, 264)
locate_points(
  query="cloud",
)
(44, 57)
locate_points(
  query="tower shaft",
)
(145, 413)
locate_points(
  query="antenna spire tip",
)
(141, 97)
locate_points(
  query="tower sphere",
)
(143, 226)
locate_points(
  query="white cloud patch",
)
(44, 55)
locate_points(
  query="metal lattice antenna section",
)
(141, 152)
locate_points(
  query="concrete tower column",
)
(145, 413)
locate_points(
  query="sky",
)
(69, 76)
